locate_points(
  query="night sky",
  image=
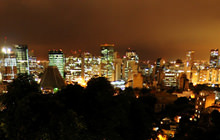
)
(155, 28)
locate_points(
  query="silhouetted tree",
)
(32, 115)
(100, 109)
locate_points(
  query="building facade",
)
(56, 58)
(9, 65)
(22, 60)
(214, 56)
(107, 57)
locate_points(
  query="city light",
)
(161, 137)
(81, 82)
(6, 50)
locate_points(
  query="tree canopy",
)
(91, 113)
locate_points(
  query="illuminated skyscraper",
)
(117, 67)
(132, 55)
(21, 52)
(9, 68)
(107, 57)
(32, 62)
(214, 58)
(172, 73)
(189, 58)
(74, 67)
(189, 64)
(56, 58)
(158, 76)
(91, 65)
(130, 62)
(81, 66)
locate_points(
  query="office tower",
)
(34, 66)
(146, 68)
(214, 58)
(91, 65)
(9, 66)
(160, 63)
(132, 55)
(183, 82)
(118, 67)
(73, 67)
(189, 64)
(56, 58)
(189, 59)
(81, 66)
(130, 64)
(32, 62)
(158, 72)
(172, 73)
(21, 52)
(107, 56)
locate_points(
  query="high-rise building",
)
(34, 66)
(9, 66)
(130, 64)
(172, 73)
(21, 52)
(146, 68)
(189, 58)
(132, 55)
(81, 66)
(73, 67)
(32, 62)
(107, 57)
(158, 72)
(189, 64)
(91, 65)
(117, 67)
(214, 58)
(56, 58)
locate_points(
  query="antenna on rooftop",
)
(5, 39)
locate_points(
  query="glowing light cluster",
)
(6, 50)
(162, 137)
(81, 82)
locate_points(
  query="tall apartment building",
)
(204, 100)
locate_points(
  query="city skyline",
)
(166, 29)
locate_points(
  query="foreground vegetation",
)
(94, 113)
(74, 113)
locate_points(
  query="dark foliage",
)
(73, 113)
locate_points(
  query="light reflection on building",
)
(81, 65)
(107, 57)
(9, 65)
